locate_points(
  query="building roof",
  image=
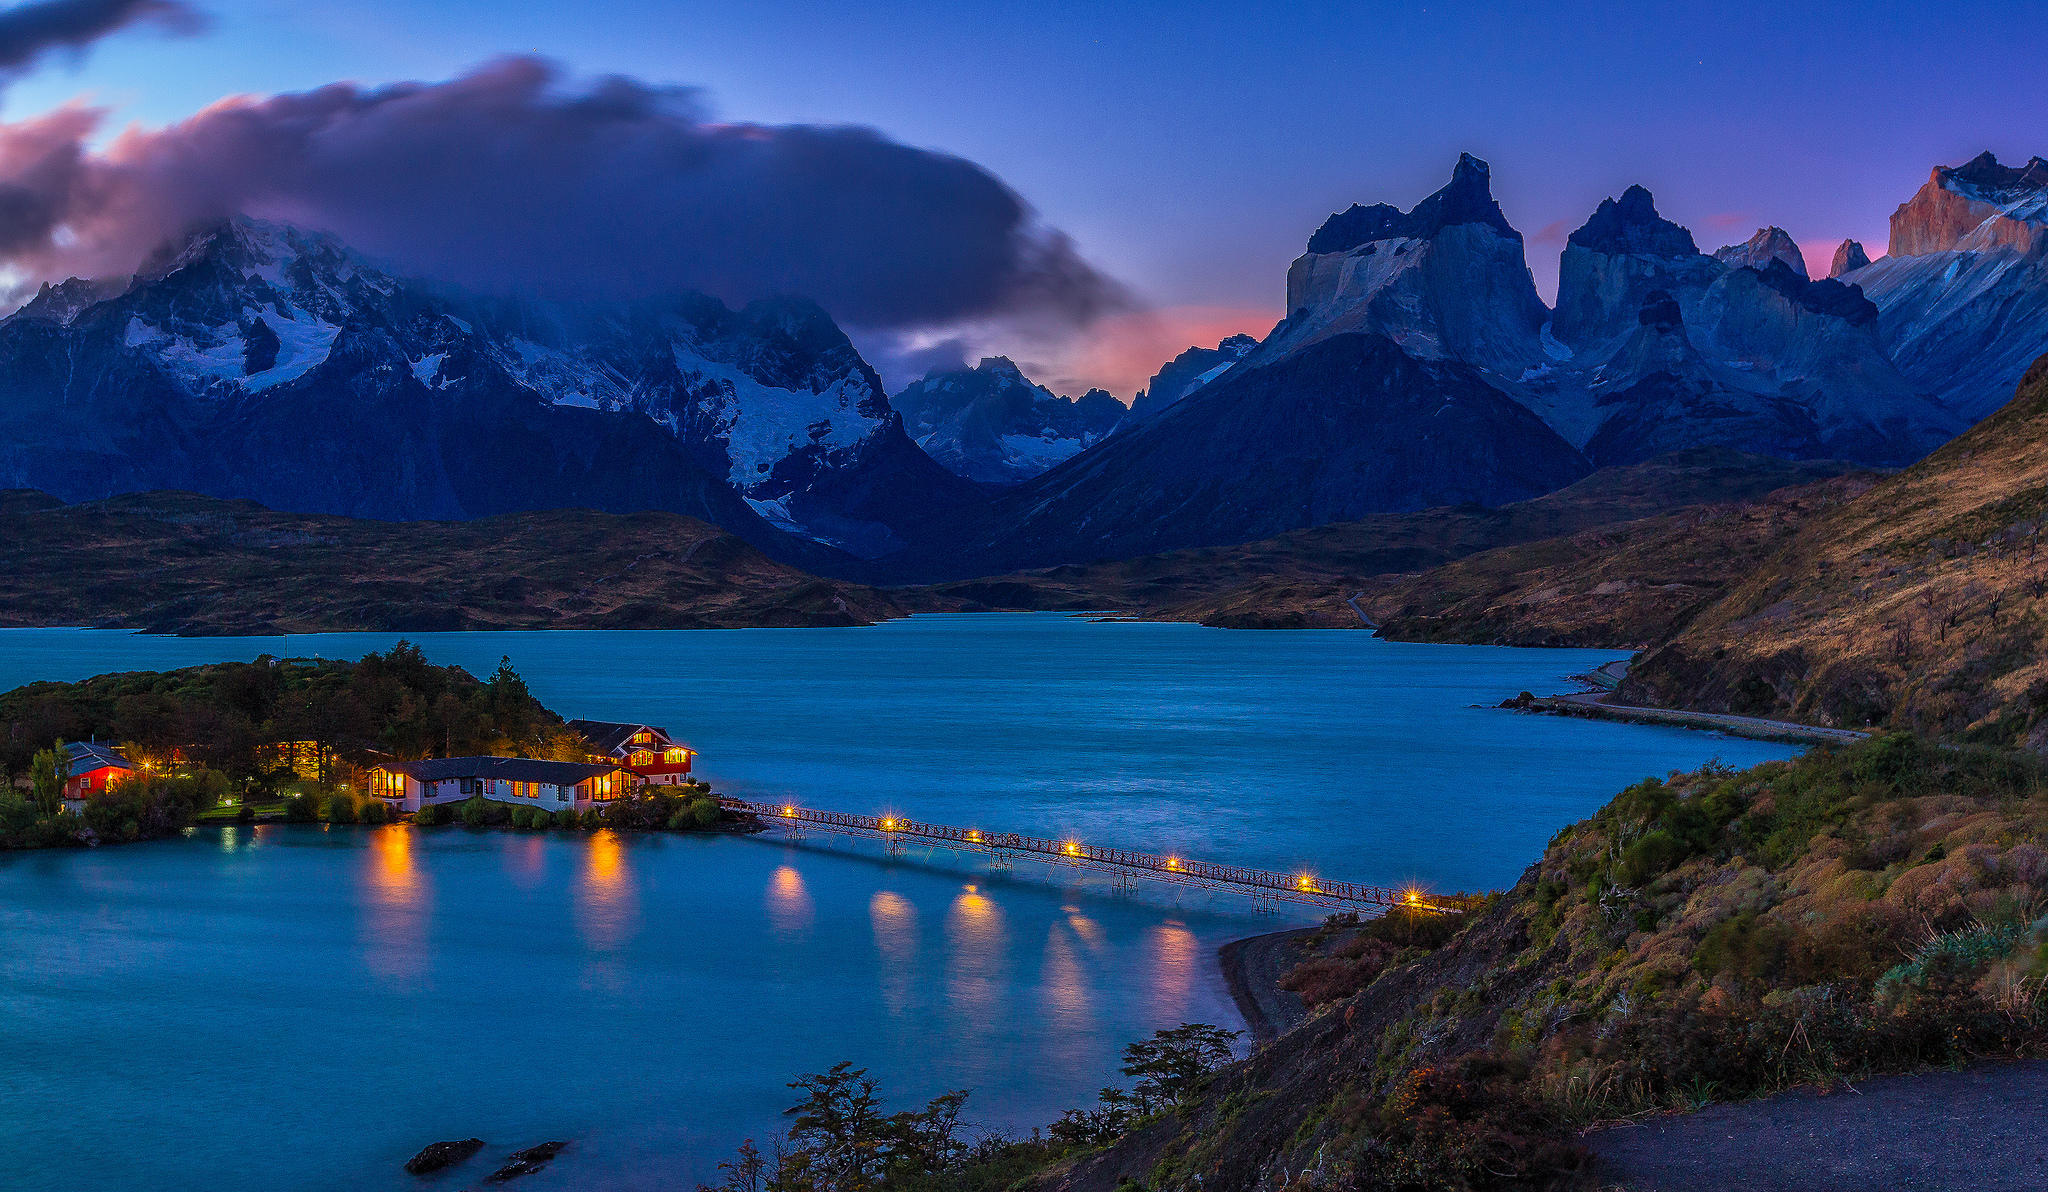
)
(93, 755)
(611, 738)
(508, 769)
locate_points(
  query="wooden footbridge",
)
(1124, 864)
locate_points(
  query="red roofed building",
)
(94, 768)
(657, 758)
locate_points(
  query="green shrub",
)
(567, 820)
(301, 808)
(375, 811)
(1648, 858)
(476, 811)
(341, 808)
(593, 819)
(1956, 954)
(432, 815)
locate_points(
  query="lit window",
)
(642, 757)
(675, 756)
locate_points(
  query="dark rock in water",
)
(436, 1155)
(527, 1161)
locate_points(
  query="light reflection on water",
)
(789, 904)
(372, 989)
(977, 969)
(607, 904)
(395, 911)
(895, 926)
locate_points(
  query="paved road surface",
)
(1984, 1129)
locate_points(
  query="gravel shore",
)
(1253, 968)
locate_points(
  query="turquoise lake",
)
(299, 1007)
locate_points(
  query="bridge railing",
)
(1302, 887)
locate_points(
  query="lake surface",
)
(304, 1007)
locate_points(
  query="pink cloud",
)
(1120, 352)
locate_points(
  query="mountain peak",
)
(1000, 366)
(1466, 199)
(1982, 177)
(1979, 205)
(1849, 257)
(1631, 225)
(1767, 245)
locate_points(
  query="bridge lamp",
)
(1414, 898)
(788, 812)
(1073, 850)
(1305, 882)
(973, 836)
(1173, 862)
(888, 825)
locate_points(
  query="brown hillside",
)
(1303, 579)
(180, 563)
(1918, 605)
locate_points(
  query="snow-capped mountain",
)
(268, 362)
(1446, 280)
(990, 423)
(1666, 347)
(1188, 372)
(1418, 366)
(1962, 293)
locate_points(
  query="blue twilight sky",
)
(1189, 149)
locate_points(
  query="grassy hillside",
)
(1304, 579)
(179, 563)
(1922, 604)
(1709, 937)
(1618, 585)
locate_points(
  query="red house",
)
(94, 768)
(655, 757)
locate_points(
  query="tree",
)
(927, 1141)
(1174, 1063)
(839, 1137)
(48, 771)
(745, 1172)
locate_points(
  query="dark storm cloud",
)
(505, 179)
(28, 31)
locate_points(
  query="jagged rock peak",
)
(1237, 345)
(1630, 224)
(1466, 199)
(1993, 182)
(1978, 206)
(1000, 366)
(1767, 245)
(1828, 297)
(1849, 257)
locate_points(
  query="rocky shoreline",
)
(1252, 968)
